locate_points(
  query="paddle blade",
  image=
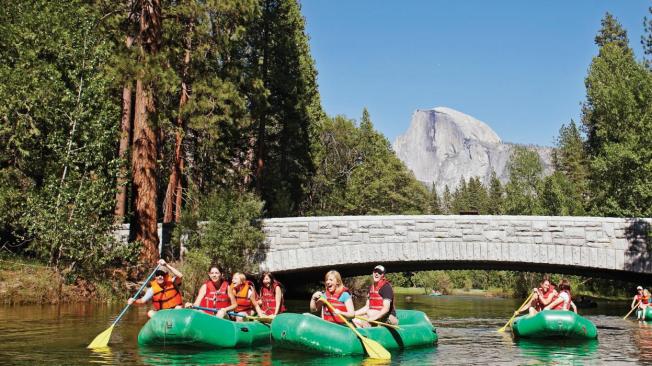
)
(102, 339)
(375, 349)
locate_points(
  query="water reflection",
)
(559, 351)
(181, 356)
(643, 340)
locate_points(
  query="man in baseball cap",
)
(380, 305)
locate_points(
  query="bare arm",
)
(200, 295)
(278, 295)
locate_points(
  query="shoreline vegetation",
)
(24, 282)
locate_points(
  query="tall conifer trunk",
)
(125, 139)
(145, 148)
(174, 190)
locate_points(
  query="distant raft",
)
(554, 324)
(307, 332)
(193, 328)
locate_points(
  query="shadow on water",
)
(558, 350)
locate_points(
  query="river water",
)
(466, 325)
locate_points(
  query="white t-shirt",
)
(564, 296)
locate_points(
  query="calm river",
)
(34, 335)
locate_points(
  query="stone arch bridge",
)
(302, 249)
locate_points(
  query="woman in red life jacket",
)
(214, 293)
(380, 304)
(244, 292)
(337, 295)
(163, 291)
(563, 301)
(640, 301)
(270, 298)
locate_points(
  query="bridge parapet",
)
(611, 244)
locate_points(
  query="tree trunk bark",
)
(174, 189)
(125, 135)
(145, 144)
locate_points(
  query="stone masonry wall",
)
(604, 243)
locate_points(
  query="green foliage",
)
(612, 32)
(58, 133)
(358, 174)
(223, 227)
(618, 121)
(521, 192)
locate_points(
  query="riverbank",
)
(23, 282)
(457, 292)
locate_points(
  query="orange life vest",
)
(268, 298)
(216, 298)
(242, 299)
(166, 297)
(375, 300)
(563, 305)
(643, 299)
(334, 299)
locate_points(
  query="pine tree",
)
(618, 124)
(612, 32)
(646, 39)
(495, 196)
(435, 204)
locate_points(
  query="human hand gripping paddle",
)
(514, 316)
(102, 339)
(378, 323)
(373, 348)
(635, 307)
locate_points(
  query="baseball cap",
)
(639, 288)
(379, 268)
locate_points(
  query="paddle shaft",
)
(635, 307)
(374, 349)
(377, 322)
(136, 295)
(514, 316)
(232, 313)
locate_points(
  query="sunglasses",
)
(377, 271)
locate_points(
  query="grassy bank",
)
(25, 282)
(459, 292)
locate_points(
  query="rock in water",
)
(443, 145)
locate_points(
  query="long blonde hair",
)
(338, 278)
(240, 276)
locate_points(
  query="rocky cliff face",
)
(442, 145)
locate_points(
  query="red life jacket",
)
(268, 298)
(242, 299)
(563, 305)
(215, 298)
(540, 305)
(375, 300)
(334, 299)
(166, 296)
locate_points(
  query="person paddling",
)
(270, 299)
(380, 304)
(337, 295)
(541, 297)
(563, 301)
(244, 292)
(639, 302)
(163, 291)
(214, 293)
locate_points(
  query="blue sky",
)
(519, 66)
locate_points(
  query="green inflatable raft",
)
(554, 324)
(648, 313)
(188, 327)
(307, 332)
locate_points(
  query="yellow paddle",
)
(378, 323)
(635, 307)
(514, 316)
(373, 348)
(102, 339)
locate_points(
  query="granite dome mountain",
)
(443, 145)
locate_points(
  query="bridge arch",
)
(301, 249)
